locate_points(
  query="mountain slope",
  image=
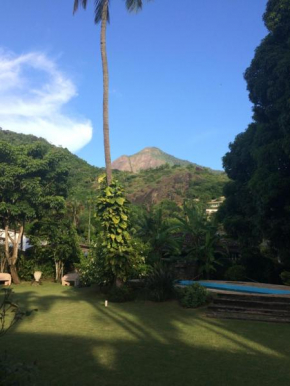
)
(173, 183)
(183, 180)
(82, 176)
(148, 158)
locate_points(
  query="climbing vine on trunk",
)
(117, 244)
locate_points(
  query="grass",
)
(77, 341)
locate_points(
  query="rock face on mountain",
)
(148, 158)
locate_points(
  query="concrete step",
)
(262, 298)
(251, 303)
(250, 311)
(244, 316)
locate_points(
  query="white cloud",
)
(32, 93)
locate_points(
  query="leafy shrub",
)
(27, 267)
(16, 373)
(285, 276)
(95, 268)
(236, 272)
(121, 294)
(193, 296)
(160, 284)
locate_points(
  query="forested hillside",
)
(149, 186)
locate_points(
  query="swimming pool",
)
(236, 287)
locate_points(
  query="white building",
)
(14, 235)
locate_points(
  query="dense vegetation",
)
(256, 211)
(56, 196)
(168, 185)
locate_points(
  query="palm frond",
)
(99, 5)
(134, 5)
(76, 4)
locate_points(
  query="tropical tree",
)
(55, 237)
(33, 180)
(102, 15)
(74, 210)
(257, 206)
(120, 253)
(156, 230)
(200, 242)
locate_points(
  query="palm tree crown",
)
(131, 5)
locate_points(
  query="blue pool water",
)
(236, 287)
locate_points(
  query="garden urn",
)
(37, 275)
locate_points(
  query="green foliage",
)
(200, 242)
(33, 178)
(258, 201)
(260, 266)
(12, 372)
(277, 15)
(156, 230)
(10, 312)
(236, 273)
(160, 284)
(176, 183)
(27, 265)
(285, 276)
(121, 294)
(193, 296)
(16, 373)
(112, 210)
(94, 269)
(97, 266)
(55, 239)
(33, 182)
(119, 254)
(166, 186)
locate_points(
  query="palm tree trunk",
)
(106, 93)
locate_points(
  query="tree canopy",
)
(33, 180)
(258, 201)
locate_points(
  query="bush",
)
(27, 267)
(193, 296)
(235, 273)
(160, 284)
(15, 372)
(285, 276)
(121, 294)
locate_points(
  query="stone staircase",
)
(250, 307)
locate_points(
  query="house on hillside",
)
(213, 205)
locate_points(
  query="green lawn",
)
(77, 341)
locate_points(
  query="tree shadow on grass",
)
(77, 341)
(70, 360)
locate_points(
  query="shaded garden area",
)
(76, 340)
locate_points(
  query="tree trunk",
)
(7, 255)
(11, 260)
(14, 274)
(106, 93)
(58, 270)
(89, 227)
(2, 264)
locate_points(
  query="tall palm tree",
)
(102, 15)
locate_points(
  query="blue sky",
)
(176, 75)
